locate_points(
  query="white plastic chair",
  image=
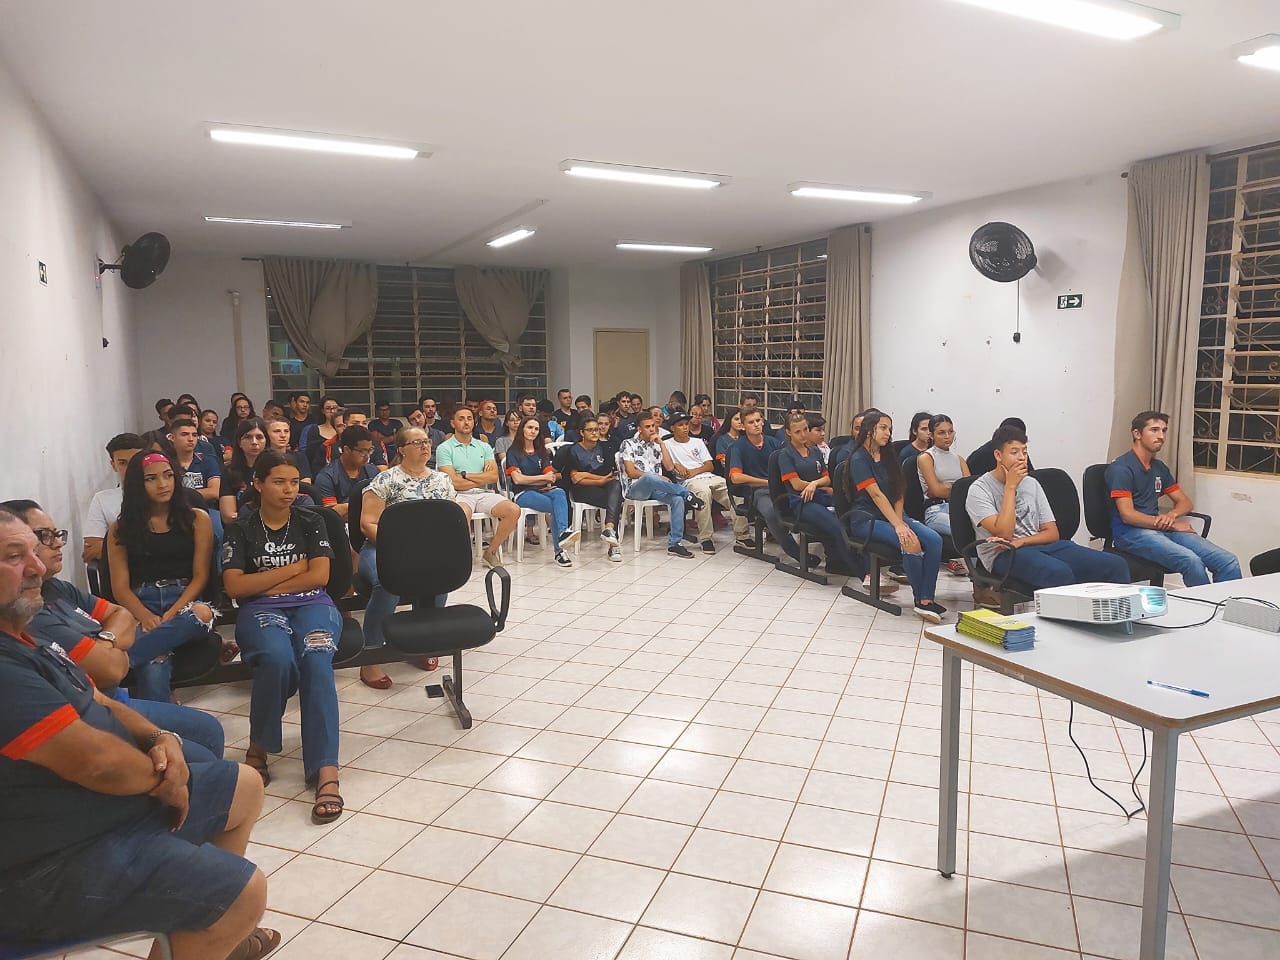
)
(640, 511)
(581, 513)
(541, 519)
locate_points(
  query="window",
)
(769, 321)
(1237, 401)
(420, 343)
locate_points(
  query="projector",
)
(1101, 603)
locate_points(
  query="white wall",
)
(62, 394)
(581, 300)
(942, 334)
(185, 322)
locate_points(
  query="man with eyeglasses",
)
(335, 481)
(593, 479)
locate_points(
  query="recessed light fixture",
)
(298, 140)
(646, 175)
(661, 247)
(1113, 19)
(510, 237)
(311, 225)
(1261, 52)
(826, 191)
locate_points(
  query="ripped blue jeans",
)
(290, 650)
(151, 655)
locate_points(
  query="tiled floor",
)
(706, 759)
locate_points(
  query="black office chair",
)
(803, 531)
(355, 536)
(341, 573)
(417, 574)
(1097, 518)
(877, 555)
(1265, 563)
(914, 503)
(743, 499)
(1059, 490)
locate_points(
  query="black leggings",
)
(607, 497)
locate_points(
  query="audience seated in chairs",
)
(921, 436)
(874, 487)
(108, 830)
(410, 479)
(384, 428)
(939, 467)
(983, 460)
(340, 476)
(703, 402)
(249, 443)
(700, 427)
(299, 418)
(241, 408)
(694, 467)
(473, 468)
(1016, 530)
(533, 480)
(1137, 480)
(510, 428)
(644, 460)
(726, 436)
(275, 564)
(749, 469)
(593, 479)
(104, 508)
(160, 552)
(564, 410)
(208, 424)
(488, 427)
(318, 440)
(809, 500)
(97, 635)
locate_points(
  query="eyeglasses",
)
(417, 443)
(50, 537)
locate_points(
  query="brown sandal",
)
(259, 763)
(326, 800)
(256, 945)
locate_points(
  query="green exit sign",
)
(1070, 301)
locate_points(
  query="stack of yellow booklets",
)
(1009, 632)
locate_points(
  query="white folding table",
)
(1107, 669)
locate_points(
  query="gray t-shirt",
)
(1031, 510)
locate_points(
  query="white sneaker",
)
(610, 536)
(886, 586)
(615, 554)
(568, 539)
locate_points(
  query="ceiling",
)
(907, 94)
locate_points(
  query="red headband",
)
(150, 458)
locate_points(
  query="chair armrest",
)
(971, 558)
(498, 612)
(1208, 521)
(862, 544)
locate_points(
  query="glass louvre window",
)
(1237, 390)
(420, 344)
(769, 315)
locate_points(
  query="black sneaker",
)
(679, 550)
(708, 546)
(695, 502)
(569, 538)
(563, 559)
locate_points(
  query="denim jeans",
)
(290, 650)
(1060, 563)
(815, 513)
(381, 603)
(150, 656)
(555, 502)
(653, 487)
(203, 738)
(922, 568)
(1186, 553)
(608, 497)
(938, 519)
(782, 536)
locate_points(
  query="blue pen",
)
(1170, 686)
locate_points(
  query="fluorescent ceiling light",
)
(1261, 52)
(513, 236)
(278, 223)
(661, 247)
(310, 141)
(1113, 19)
(827, 192)
(646, 175)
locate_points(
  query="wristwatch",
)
(463, 474)
(151, 741)
(108, 636)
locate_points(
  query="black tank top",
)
(162, 556)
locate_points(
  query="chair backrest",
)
(340, 569)
(912, 495)
(1264, 563)
(1097, 502)
(424, 549)
(776, 487)
(1063, 498)
(838, 495)
(355, 503)
(837, 442)
(962, 533)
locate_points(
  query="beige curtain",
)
(324, 305)
(846, 375)
(696, 342)
(1156, 335)
(497, 301)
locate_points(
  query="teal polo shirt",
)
(464, 458)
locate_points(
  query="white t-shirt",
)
(104, 510)
(691, 454)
